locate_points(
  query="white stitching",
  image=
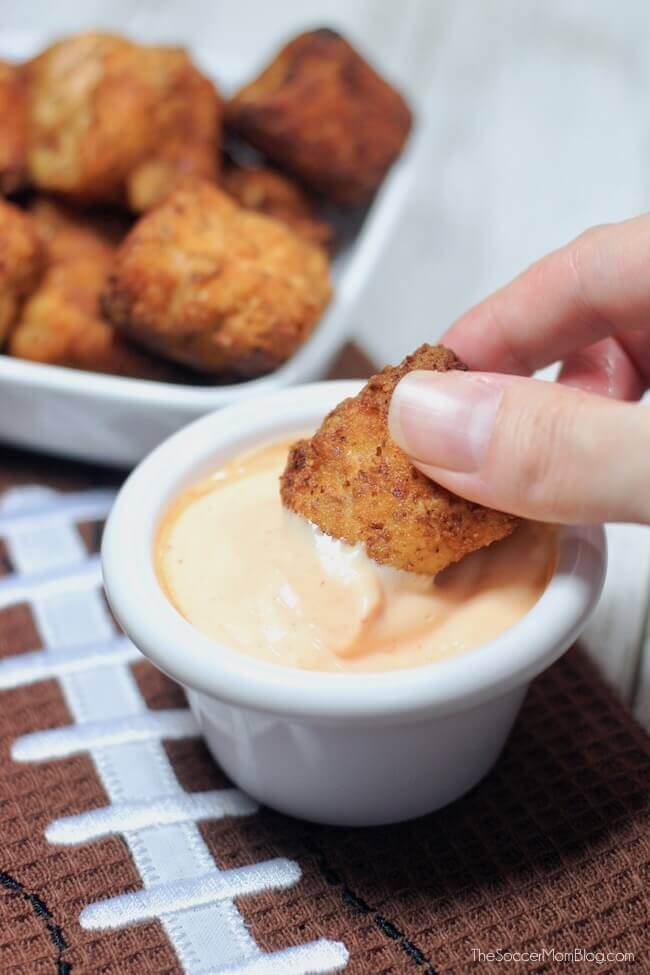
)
(125, 746)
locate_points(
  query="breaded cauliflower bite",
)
(353, 482)
(217, 287)
(114, 121)
(323, 113)
(22, 259)
(188, 121)
(60, 323)
(71, 234)
(13, 128)
(266, 191)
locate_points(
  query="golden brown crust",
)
(215, 286)
(353, 482)
(321, 112)
(60, 323)
(22, 259)
(188, 120)
(71, 234)
(13, 128)
(115, 121)
(266, 191)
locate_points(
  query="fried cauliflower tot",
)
(113, 121)
(22, 259)
(60, 323)
(70, 234)
(355, 484)
(262, 189)
(321, 112)
(13, 128)
(188, 120)
(219, 288)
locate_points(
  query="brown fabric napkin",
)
(551, 851)
(550, 854)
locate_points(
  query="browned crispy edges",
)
(14, 128)
(217, 287)
(267, 191)
(22, 258)
(323, 113)
(355, 484)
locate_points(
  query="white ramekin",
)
(353, 749)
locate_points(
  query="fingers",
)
(604, 368)
(532, 448)
(637, 345)
(596, 286)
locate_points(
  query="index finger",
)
(597, 285)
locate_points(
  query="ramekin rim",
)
(195, 660)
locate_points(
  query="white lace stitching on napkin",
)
(182, 886)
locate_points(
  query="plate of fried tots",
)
(169, 244)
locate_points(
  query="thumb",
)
(528, 447)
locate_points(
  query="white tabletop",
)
(618, 636)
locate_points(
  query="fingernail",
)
(444, 419)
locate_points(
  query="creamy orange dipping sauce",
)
(259, 579)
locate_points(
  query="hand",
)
(573, 451)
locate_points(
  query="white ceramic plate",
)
(117, 421)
